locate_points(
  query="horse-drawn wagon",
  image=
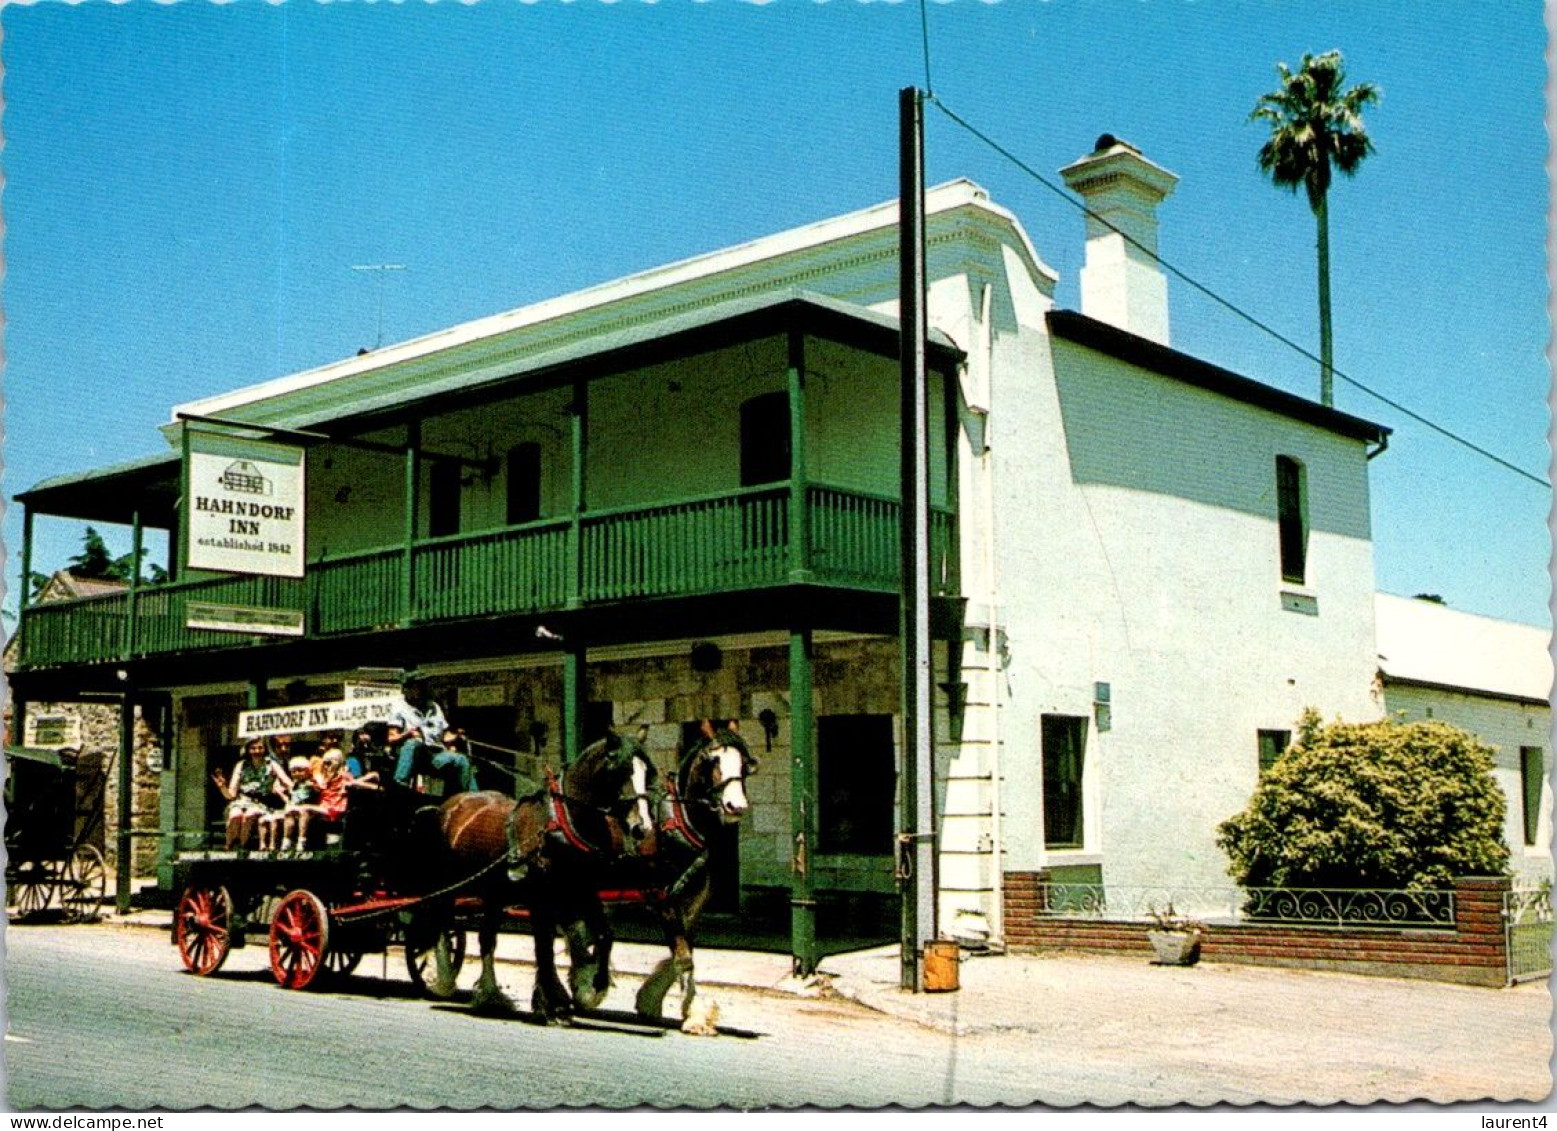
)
(417, 877)
(54, 824)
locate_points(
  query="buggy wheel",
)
(419, 956)
(202, 928)
(87, 885)
(29, 892)
(299, 939)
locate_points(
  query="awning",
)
(149, 485)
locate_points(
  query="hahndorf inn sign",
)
(245, 505)
(245, 514)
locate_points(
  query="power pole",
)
(916, 843)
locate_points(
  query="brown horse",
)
(546, 852)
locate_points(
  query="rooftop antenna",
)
(378, 269)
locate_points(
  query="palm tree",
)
(1316, 127)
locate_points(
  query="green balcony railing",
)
(717, 543)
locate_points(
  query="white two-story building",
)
(675, 495)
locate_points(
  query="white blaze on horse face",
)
(732, 792)
(641, 792)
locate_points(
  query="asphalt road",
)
(104, 1016)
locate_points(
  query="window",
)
(1292, 517)
(1064, 752)
(765, 453)
(524, 483)
(1532, 775)
(856, 784)
(1273, 744)
(443, 499)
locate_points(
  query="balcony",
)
(721, 543)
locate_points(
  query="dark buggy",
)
(54, 834)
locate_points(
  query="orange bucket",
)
(940, 967)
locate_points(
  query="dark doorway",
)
(765, 454)
(524, 483)
(856, 784)
(443, 500)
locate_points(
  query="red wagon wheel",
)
(202, 928)
(299, 939)
(342, 962)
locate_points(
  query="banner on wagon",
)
(245, 512)
(342, 715)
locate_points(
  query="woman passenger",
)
(255, 779)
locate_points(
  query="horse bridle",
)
(704, 753)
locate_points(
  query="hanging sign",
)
(243, 618)
(342, 714)
(243, 508)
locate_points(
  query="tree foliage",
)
(96, 563)
(1316, 130)
(1381, 805)
(1316, 126)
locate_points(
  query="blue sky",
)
(188, 186)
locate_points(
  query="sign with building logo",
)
(243, 618)
(53, 732)
(244, 507)
(342, 714)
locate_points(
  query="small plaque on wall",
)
(1305, 603)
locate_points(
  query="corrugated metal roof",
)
(1428, 643)
(475, 374)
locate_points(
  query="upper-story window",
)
(524, 483)
(1292, 518)
(765, 454)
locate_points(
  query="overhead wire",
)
(1235, 309)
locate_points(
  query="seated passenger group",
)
(275, 797)
(280, 804)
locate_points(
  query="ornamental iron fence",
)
(1527, 919)
(1319, 907)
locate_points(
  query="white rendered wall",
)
(1138, 546)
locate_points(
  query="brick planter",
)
(1473, 952)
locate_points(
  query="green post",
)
(802, 804)
(799, 484)
(579, 449)
(574, 694)
(413, 484)
(132, 594)
(18, 707)
(126, 807)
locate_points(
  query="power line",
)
(1216, 298)
(1226, 304)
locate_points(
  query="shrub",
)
(1379, 805)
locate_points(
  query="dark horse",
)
(709, 794)
(547, 852)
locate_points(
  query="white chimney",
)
(1121, 283)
